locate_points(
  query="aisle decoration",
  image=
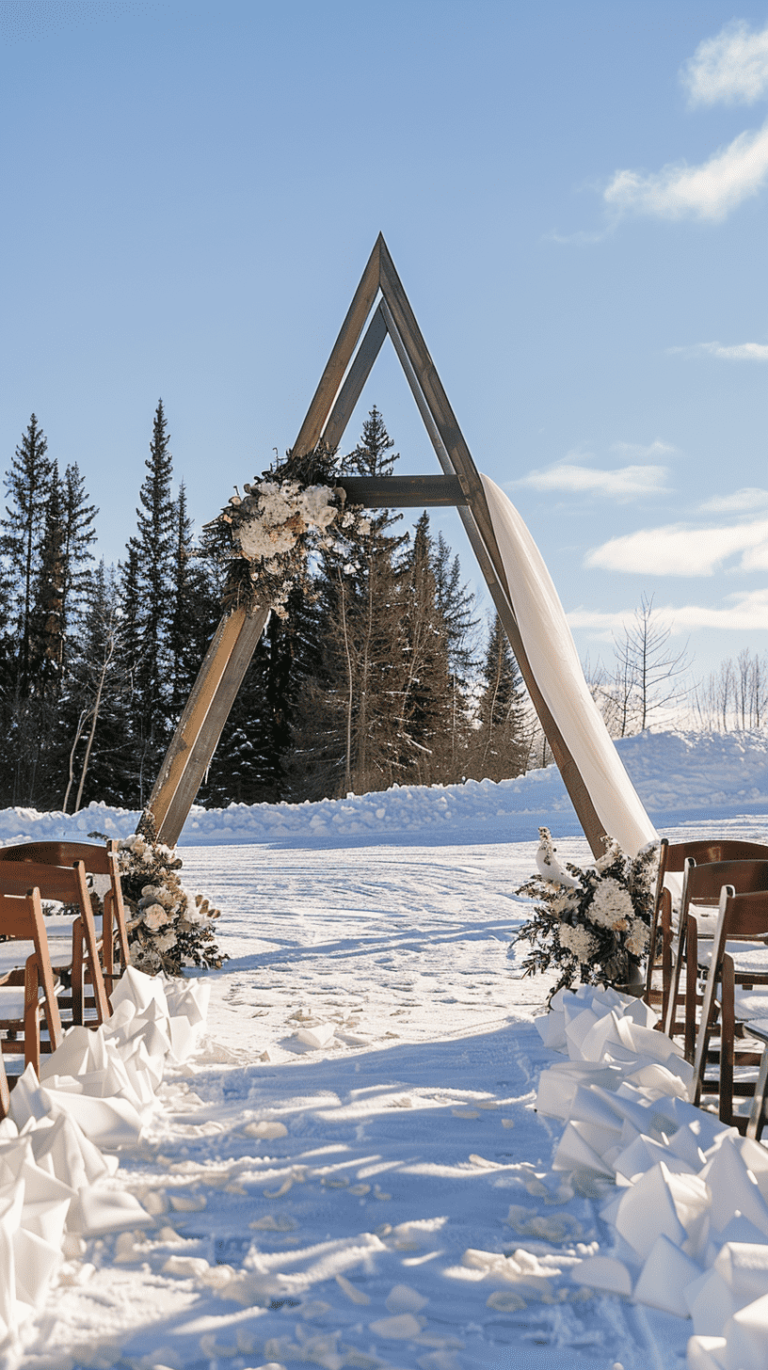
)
(591, 922)
(57, 1186)
(264, 538)
(169, 930)
(684, 1195)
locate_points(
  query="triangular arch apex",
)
(349, 365)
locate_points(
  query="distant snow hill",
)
(681, 777)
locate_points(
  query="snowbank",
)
(677, 776)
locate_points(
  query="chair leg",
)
(77, 972)
(674, 983)
(5, 1093)
(691, 987)
(32, 1016)
(666, 955)
(727, 1043)
(757, 1111)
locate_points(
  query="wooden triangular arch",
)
(379, 297)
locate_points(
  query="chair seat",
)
(12, 1002)
(748, 957)
(751, 1004)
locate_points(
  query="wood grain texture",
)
(200, 740)
(341, 355)
(403, 492)
(454, 455)
(354, 381)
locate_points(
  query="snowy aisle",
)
(317, 1204)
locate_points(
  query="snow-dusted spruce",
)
(593, 922)
(264, 538)
(171, 930)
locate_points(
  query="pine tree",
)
(195, 609)
(151, 554)
(28, 486)
(346, 726)
(98, 760)
(425, 719)
(79, 535)
(500, 743)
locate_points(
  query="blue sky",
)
(575, 197)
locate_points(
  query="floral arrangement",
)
(592, 922)
(264, 537)
(170, 929)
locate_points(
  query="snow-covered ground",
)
(360, 1119)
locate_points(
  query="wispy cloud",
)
(709, 191)
(677, 549)
(644, 451)
(623, 483)
(735, 352)
(731, 68)
(742, 612)
(741, 501)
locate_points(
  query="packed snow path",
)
(316, 1204)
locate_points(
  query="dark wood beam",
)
(343, 348)
(202, 722)
(354, 381)
(403, 492)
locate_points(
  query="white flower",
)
(155, 916)
(578, 940)
(611, 906)
(166, 940)
(637, 941)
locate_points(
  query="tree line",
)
(376, 676)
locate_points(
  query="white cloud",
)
(743, 612)
(677, 549)
(623, 483)
(741, 501)
(737, 352)
(709, 191)
(643, 451)
(732, 67)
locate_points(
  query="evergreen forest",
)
(381, 674)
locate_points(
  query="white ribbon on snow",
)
(551, 650)
(55, 1181)
(690, 1203)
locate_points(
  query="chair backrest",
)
(94, 857)
(675, 854)
(702, 884)
(739, 917)
(98, 860)
(67, 884)
(21, 919)
(63, 883)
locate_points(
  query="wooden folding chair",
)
(98, 860)
(67, 885)
(701, 894)
(742, 918)
(672, 859)
(27, 982)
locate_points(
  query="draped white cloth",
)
(551, 651)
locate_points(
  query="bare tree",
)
(647, 676)
(733, 696)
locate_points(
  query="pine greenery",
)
(371, 678)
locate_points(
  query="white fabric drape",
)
(551, 651)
